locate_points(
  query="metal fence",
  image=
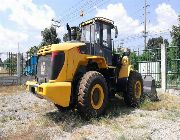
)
(148, 62)
(8, 64)
(173, 67)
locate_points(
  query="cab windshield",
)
(97, 33)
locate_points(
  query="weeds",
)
(167, 102)
(10, 90)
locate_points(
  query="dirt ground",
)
(24, 116)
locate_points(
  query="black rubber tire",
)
(129, 96)
(86, 84)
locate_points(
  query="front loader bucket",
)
(149, 88)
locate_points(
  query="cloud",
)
(9, 39)
(166, 16)
(61, 31)
(27, 14)
(29, 20)
(117, 13)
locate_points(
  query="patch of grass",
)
(3, 119)
(40, 137)
(167, 102)
(116, 127)
(122, 137)
(6, 118)
(66, 120)
(44, 122)
(140, 126)
(172, 115)
(9, 90)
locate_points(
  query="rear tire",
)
(134, 95)
(92, 94)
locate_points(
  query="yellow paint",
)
(65, 46)
(125, 61)
(58, 47)
(28, 83)
(125, 68)
(137, 89)
(44, 50)
(125, 71)
(100, 91)
(58, 92)
(73, 59)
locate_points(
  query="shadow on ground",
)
(71, 119)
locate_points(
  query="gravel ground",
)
(24, 116)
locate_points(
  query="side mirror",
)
(116, 31)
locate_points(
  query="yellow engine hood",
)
(65, 46)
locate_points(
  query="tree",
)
(154, 43)
(134, 60)
(175, 34)
(11, 63)
(174, 53)
(33, 50)
(50, 36)
(152, 52)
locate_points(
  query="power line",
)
(76, 13)
(90, 9)
(97, 3)
(89, 6)
(73, 7)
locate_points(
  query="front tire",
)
(134, 95)
(92, 94)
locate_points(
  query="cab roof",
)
(97, 19)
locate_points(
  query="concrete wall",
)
(9, 80)
(14, 80)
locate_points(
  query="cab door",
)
(107, 43)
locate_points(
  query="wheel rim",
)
(137, 89)
(97, 96)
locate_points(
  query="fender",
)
(126, 68)
(125, 71)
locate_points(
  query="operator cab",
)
(96, 33)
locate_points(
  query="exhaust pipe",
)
(69, 32)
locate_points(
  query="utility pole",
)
(18, 47)
(145, 23)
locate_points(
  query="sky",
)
(21, 21)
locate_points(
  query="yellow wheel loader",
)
(84, 72)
